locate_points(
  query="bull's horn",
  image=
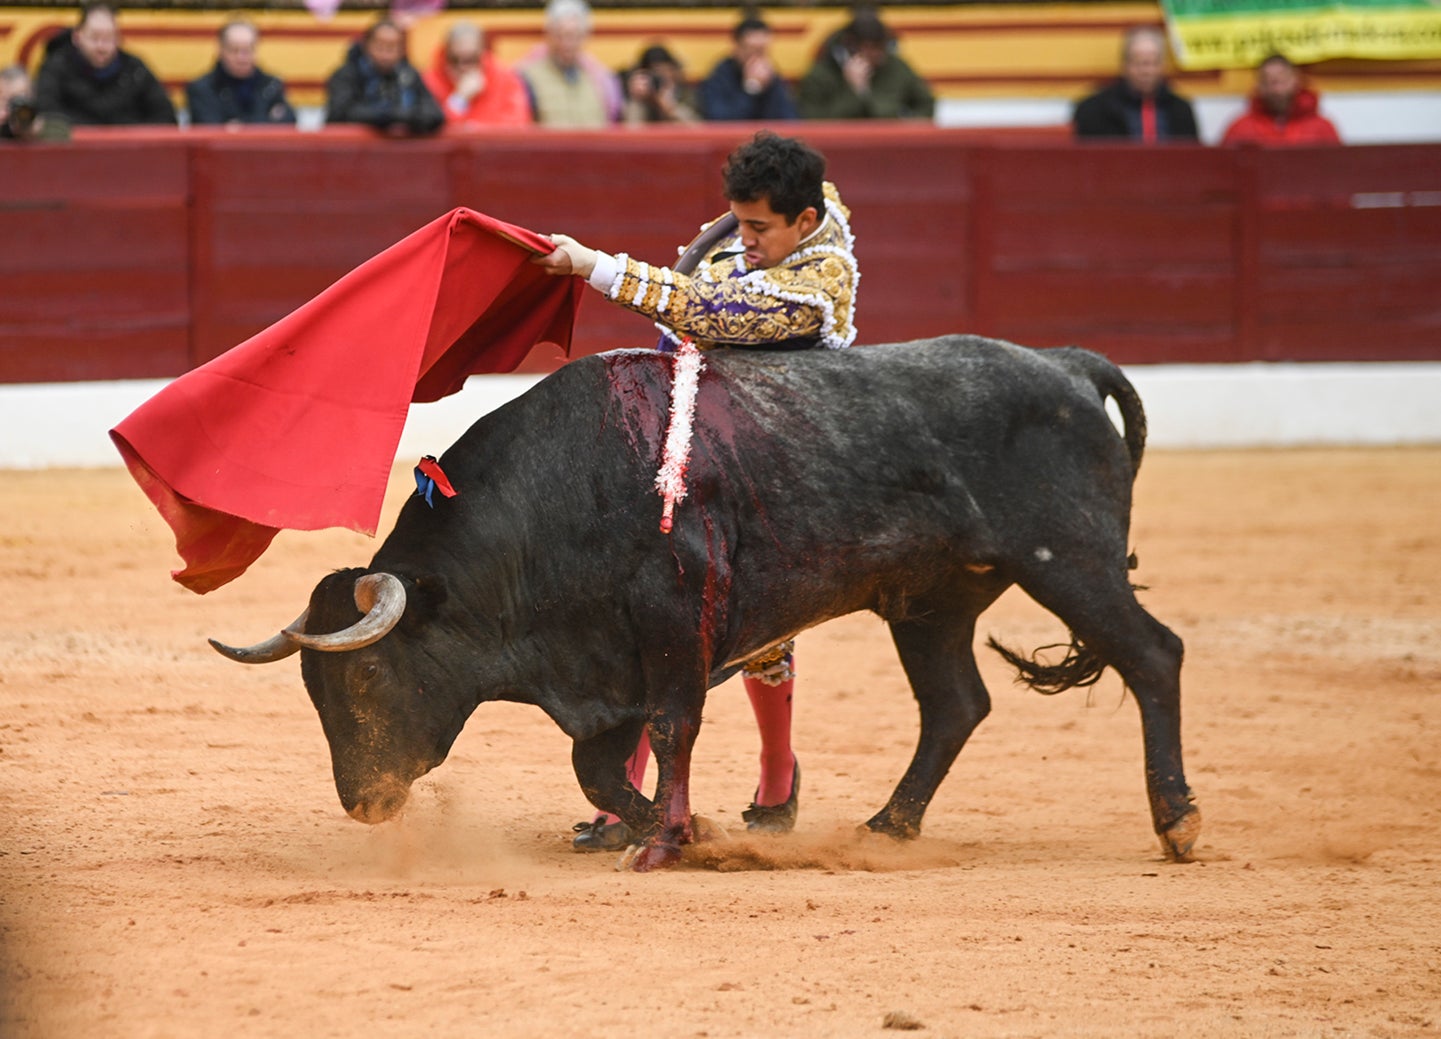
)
(381, 597)
(277, 647)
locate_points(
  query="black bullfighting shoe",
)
(599, 835)
(779, 818)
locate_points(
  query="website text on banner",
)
(1221, 34)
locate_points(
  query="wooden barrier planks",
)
(1125, 250)
(275, 223)
(1348, 263)
(143, 253)
(96, 263)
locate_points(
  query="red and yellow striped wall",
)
(968, 51)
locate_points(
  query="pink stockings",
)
(772, 707)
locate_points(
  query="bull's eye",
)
(369, 671)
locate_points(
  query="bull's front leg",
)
(672, 737)
(600, 767)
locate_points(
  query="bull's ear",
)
(424, 598)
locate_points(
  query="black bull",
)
(918, 481)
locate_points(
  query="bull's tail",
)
(1080, 667)
(1110, 381)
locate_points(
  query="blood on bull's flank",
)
(916, 480)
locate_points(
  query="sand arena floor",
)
(174, 860)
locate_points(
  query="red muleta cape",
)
(297, 426)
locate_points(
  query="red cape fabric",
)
(297, 426)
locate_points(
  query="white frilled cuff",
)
(605, 273)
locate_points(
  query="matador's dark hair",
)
(786, 171)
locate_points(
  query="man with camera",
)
(20, 120)
(15, 97)
(655, 90)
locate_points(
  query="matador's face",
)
(768, 238)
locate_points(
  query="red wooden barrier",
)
(1124, 249)
(95, 263)
(1348, 253)
(143, 252)
(275, 223)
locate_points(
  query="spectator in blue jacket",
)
(747, 85)
(236, 90)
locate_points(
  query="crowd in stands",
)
(1139, 104)
(87, 78)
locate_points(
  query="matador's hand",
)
(569, 257)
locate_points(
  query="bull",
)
(916, 480)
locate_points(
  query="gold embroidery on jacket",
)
(810, 293)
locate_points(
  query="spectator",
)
(236, 91)
(14, 82)
(1283, 110)
(86, 78)
(746, 85)
(472, 85)
(377, 86)
(17, 106)
(569, 87)
(1139, 105)
(19, 118)
(859, 75)
(656, 91)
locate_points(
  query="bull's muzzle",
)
(378, 802)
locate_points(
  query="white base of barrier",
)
(1187, 406)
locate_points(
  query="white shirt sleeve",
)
(603, 274)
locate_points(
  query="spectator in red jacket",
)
(472, 85)
(1283, 110)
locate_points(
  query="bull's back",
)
(874, 474)
(820, 482)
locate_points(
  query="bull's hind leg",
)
(1102, 612)
(940, 663)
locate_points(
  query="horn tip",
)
(262, 654)
(226, 651)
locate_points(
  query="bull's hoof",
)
(884, 825)
(642, 858)
(1178, 839)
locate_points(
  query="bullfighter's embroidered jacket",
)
(807, 299)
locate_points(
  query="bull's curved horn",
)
(277, 647)
(382, 598)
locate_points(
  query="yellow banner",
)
(1243, 38)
